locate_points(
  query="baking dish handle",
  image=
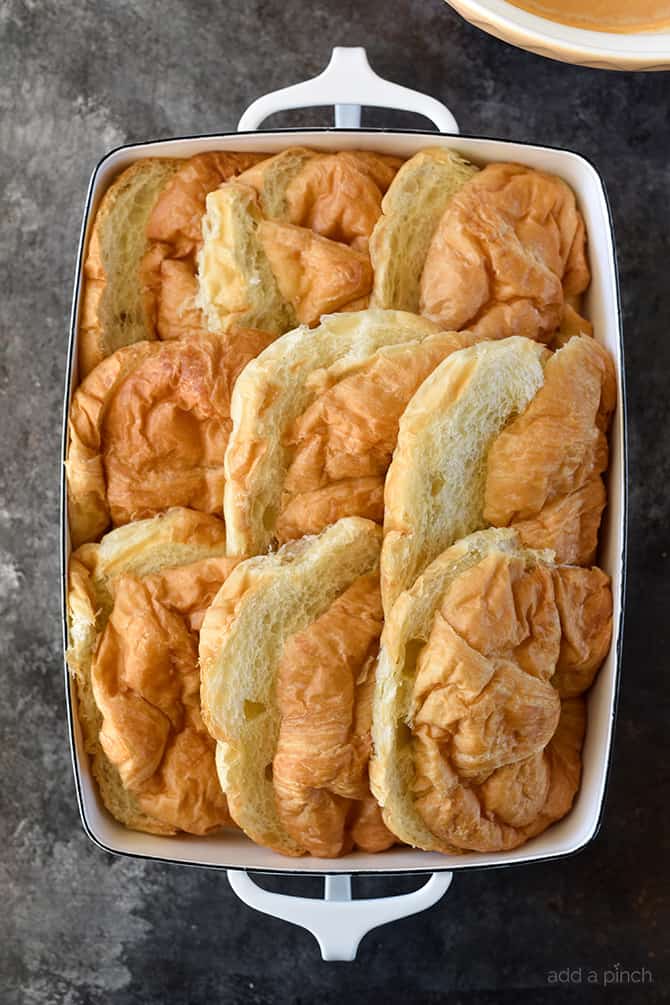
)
(348, 82)
(337, 922)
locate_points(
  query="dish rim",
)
(450, 865)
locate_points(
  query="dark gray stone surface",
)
(77, 926)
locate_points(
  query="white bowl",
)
(601, 49)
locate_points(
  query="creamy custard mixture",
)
(603, 15)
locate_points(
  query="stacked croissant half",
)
(335, 483)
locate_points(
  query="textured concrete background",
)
(77, 926)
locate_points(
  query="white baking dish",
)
(338, 923)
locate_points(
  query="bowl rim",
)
(616, 50)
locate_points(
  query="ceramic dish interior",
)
(234, 850)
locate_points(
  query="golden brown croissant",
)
(336, 195)
(287, 651)
(503, 433)
(269, 274)
(478, 720)
(340, 447)
(174, 232)
(114, 309)
(149, 429)
(507, 255)
(316, 419)
(544, 470)
(325, 680)
(135, 605)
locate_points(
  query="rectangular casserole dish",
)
(348, 82)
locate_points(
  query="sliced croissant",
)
(287, 652)
(135, 603)
(502, 433)
(478, 717)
